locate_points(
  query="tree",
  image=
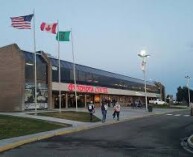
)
(182, 94)
(179, 94)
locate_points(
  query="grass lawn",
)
(11, 126)
(71, 115)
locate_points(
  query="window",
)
(65, 75)
(81, 76)
(29, 72)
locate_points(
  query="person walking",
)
(113, 102)
(117, 109)
(104, 107)
(91, 109)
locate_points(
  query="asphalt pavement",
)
(126, 113)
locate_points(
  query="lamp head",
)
(143, 54)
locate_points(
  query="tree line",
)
(182, 94)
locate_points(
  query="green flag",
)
(63, 36)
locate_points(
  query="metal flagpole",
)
(188, 80)
(143, 55)
(35, 66)
(74, 71)
(59, 70)
(145, 86)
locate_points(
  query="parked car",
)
(157, 102)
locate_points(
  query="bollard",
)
(191, 109)
(150, 108)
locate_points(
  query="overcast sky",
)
(108, 34)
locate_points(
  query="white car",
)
(157, 102)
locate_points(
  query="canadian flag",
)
(48, 27)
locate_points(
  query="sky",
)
(109, 35)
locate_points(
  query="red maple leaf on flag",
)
(48, 27)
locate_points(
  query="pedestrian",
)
(104, 108)
(114, 110)
(113, 102)
(91, 109)
(117, 109)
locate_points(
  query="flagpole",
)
(59, 71)
(74, 71)
(35, 65)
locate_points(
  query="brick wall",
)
(12, 78)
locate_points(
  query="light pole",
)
(188, 80)
(143, 55)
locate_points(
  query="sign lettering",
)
(87, 89)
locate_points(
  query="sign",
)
(42, 96)
(38, 106)
(54, 68)
(87, 89)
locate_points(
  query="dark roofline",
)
(134, 79)
(140, 80)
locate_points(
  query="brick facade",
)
(12, 78)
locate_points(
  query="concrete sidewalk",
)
(126, 114)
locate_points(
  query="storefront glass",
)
(42, 96)
(42, 82)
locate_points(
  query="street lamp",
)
(143, 55)
(188, 80)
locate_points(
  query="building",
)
(161, 88)
(18, 90)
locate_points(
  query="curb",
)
(49, 134)
(39, 136)
(55, 133)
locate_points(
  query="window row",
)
(41, 72)
(67, 76)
